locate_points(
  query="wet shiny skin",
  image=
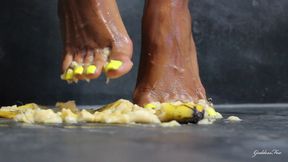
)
(90, 26)
(168, 69)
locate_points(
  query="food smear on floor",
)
(119, 112)
(172, 123)
(234, 119)
(210, 116)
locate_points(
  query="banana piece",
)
(67, 105)
(180, 113)
(46, 116)
(150, 105)
(85, 116)
(7, 114)
(106, 53)
(68, 116)
(125, 112)
(233, 119)
(172, 123)
(210, 113)
(11, 111)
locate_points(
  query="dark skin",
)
(89, 26)
(168, 69)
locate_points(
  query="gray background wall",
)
(242, 47)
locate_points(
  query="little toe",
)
(67, 60)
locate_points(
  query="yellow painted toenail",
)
(68, 74)
(199, 108)
(113, 65)
(78, 70)
(91, 69)
(150, 105)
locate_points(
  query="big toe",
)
(118, 66)
(119, 62)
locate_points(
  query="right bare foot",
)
(91, 28)
(168, 69)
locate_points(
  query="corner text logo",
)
(266, 152)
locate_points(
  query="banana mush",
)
(119, 112)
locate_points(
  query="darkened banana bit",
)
(196, 116)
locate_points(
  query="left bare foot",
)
(92, 30)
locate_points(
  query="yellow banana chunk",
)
(78, 70)
(234, 119)
(85, 116)
(119, 104)
(199, 108)
(113, 65)
(11, 111)
(211, 111)
(169, 112)
(68, 105)
(73, 64)
(172, 123)
(28, 106)
(91, 69)
(46, 116)
(68, 116)
(8, 114)
(150, 105)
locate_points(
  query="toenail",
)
(113, 65)
(78, 70)
(91, 69)
(150, 105)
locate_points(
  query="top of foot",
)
(95, 40)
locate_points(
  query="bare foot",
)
(168, 69)
(92, 30)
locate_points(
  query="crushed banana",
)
(119, 112)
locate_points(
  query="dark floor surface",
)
(262, 129)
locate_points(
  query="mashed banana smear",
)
(119, 112)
